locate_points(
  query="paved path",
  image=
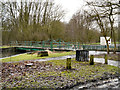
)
(99, 60)
(57, 58)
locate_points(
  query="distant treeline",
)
(36, 21)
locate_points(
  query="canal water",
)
(6, 52)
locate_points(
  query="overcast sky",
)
(70, 7)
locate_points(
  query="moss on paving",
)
(34, 56)
(56, 76)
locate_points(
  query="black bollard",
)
(82, 55)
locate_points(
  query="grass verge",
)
(34, 56)
(52, 74)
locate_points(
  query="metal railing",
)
(47, 44)
(59, 45)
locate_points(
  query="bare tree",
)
(79, 28)
(103, 12)
(30, 20)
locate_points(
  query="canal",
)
(6, 52)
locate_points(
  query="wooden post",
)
(91, 60)
(106, 62)
(68, 63)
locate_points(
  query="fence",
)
(97, 47)
(59, 45)
(47, 44)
